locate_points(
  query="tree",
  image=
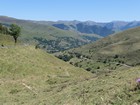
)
(15, 31)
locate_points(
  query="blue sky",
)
(95, 10)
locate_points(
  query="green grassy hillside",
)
(116, 88)
(29, 76)
(118, 50)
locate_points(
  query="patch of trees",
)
(65, 57)
(60, 44)
(14, 30)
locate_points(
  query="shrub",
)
(116, 56)
(14, 91)
(98, 67)
(88, 69)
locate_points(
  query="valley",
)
(92, 69)
(110, 53)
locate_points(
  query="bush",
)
(14, 91)
(116, 56)
(98, 67)
(88, 69)
(65, 57)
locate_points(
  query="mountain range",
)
(62, 35)
(90, 26)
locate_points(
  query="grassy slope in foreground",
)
(116, 88)
(31, 76)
